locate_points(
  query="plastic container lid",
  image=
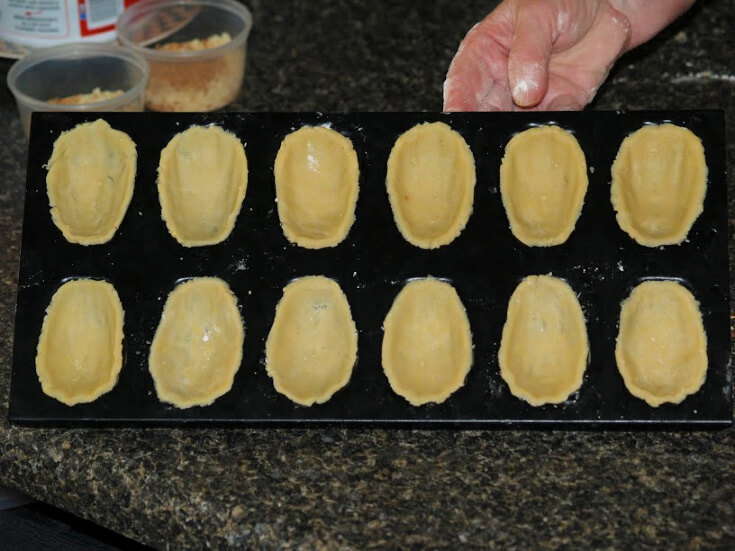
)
(150, 21)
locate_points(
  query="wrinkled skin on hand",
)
(536, 54)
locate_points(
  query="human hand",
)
(548, 54)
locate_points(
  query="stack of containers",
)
(173, 55)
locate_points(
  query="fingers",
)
(475, 89)
(591, 58)
(565, 102)
(477, 79)
(649, 18)
(528, 60)
(458, 98)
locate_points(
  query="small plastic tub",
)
(195, 49)
(78, 77)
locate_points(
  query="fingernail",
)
(445, 89)
(525, 79)
(523, 91)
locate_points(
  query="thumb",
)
(528, 60)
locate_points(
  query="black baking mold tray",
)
(485, 263)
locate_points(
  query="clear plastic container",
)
(187, 73)
(62, 73)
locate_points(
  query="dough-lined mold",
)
(659, 181)
(90, 180)
(316, 174)
(312, 345)
(197, 348)
(661, 348)
(544, 348)
(431, 184)
(484, 264)
(427, 342)
(79, 353)
(543, 182)
(202, 180)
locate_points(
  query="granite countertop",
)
(360, 487)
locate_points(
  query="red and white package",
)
(42, 23)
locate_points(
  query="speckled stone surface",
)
(384, 488)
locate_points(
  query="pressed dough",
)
(312, 346)
(544, 349)
(79, 354)
(202, 179)
(197, 348)
(543, 182)
(662, 347)
(316, 175)
(427, 345)
(659, 180)
(431, 184)
(91, 174)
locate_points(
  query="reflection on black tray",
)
(485, 263)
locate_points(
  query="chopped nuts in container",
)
(196, 85)
(196, 51)
(93, 96)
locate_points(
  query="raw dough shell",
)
(659, 180)
(79, 354)
(312, 345)
(197, 348)
(90, 180)
(316, 174)
(544, 348)
(427, 344)
(431, 184)
(661, 349)
(202, 180)
(543, 182)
